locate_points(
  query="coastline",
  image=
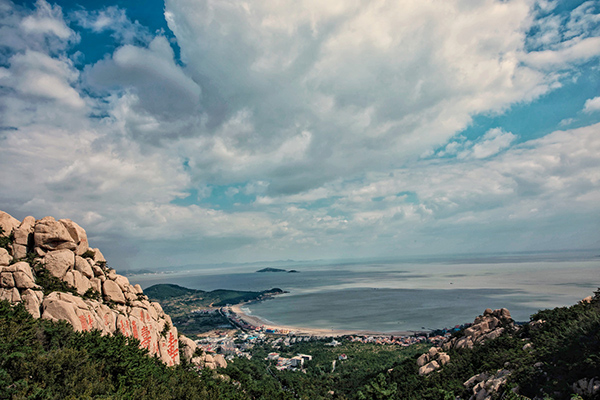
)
(304, 331)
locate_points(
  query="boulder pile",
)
(98, 298)
(490, 325)
(484, 385)
(432, 360)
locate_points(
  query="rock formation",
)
(490, 325)
(97, 297)
(484, 385)
(432, 360)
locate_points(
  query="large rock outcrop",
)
(488, 326)
(98, 298)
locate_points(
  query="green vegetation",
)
(89, 254)
(40, 359)
(6, 241)
(175, 294)
(46, 280)
(180, 302)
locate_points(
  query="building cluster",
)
(292, 364)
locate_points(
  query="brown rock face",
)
(24, 238)
(77, 234)
(84, 267)
(488, 326)
(50, 234)
(5, 257)
(61, 244)
(112, 292)
(8, 223)
(58, 262)
(189, 347)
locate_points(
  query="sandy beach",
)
(303, 331)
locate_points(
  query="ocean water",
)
(395, 295)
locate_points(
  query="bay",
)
(400, 295)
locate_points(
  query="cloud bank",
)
(301, 129)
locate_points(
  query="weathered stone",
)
(476, 379)
(69, 278)
(10, 294)
(220, 361)
(169, 347)
(97, 270)
(19, 251)
(188, 347)
(5, 257)
(83, 266)
(62, 306)
(112, 292)
(24, 231)
(137, 289)
(58, 262)
(8, 223)
(423, 359)
(32, 300)
(130, 296)
(96, 284)
(81, 283)
(106, 316)
(432, 352)
(50, 234)
(122, 281)
(112, 275)
(24, 280)
(98, 257)
(24, 238)
(158, 309)
(7, 280)
(428, 368)
(77, 234)
(443, 358)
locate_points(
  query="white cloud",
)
(492, 142)
(592, 105)
(115, 20)
(47, 20)
(319, 109)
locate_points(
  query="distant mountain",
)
(166, 291)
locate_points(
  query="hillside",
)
(182, 305)
(49, 266)
(70, 327)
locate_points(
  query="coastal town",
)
(236, 343)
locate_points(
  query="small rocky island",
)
(270, 269)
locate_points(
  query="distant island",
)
(269, 269)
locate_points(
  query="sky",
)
(207, 131)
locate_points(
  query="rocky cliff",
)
(49, 266)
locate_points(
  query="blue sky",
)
(194, 131)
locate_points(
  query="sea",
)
(399, 295)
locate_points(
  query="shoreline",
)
(257, 321)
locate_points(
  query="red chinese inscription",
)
(84, 323)
(172, 349)
(134, 329)
(146, 337)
